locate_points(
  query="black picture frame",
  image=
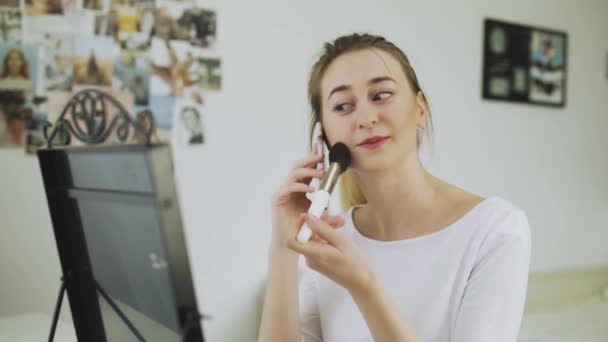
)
(524, 64)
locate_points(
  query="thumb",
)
(324, 230)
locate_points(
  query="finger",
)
(301, 220)
(331, 219)
(313, 237)
(296, 247)
(310, 160)
(293, 188)
(310, 249)
(317, 238)
(297, 175)
(324, 230)
(298, 187)
(335, 221)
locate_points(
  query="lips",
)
(372, 140)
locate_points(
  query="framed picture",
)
(524, 64)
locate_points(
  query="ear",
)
(420, 109)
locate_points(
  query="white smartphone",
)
(317, 146)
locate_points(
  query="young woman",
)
(15, 73)
(414, 258)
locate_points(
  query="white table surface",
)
(586, 321)
(34, 327)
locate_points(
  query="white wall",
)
(550, 162)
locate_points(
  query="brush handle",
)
(317, 207)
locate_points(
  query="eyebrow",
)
(370, 82)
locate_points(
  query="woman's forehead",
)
(14, 53)
(358, 67)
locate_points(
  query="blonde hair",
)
(350, 192)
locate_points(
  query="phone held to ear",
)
(318, 146)
(339, 160)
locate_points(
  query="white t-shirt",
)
(464, 283)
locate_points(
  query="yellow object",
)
(127, 19)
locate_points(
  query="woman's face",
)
(366, 94)
(15, 63)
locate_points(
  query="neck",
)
(394, 197)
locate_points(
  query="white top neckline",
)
(350, 225)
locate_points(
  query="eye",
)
(382, 95)
(342, 107)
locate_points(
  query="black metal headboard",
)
(85, 118)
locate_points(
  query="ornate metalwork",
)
(87, 117)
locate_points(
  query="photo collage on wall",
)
(156, 54)
(524, 64)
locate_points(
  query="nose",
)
(367, 116)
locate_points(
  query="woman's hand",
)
(336, 256)
(289, 202)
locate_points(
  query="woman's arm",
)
(280, 318)
(493, 302)
(341, 260)
(381, 315)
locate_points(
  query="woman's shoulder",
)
(498, 209)
(487, 211)
(488, 217)
(501, 221)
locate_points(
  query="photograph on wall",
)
(106, 24)
(95, 5)
(10, 23)
(524, 64)
(144, 122)
(131, 74)
(171, 67)
(70, 6)
(44, 109)
(134, 22)
(34, 27)
(13, 118)
(547, 70)
(131, 66)
(188, 127)
(43, 7)
(202, 26)
(57, 58)
(92, 62)
(34, 138)
(19, 65)
(183, 20)
(162, 108)
(56, 52)
(210, 73)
